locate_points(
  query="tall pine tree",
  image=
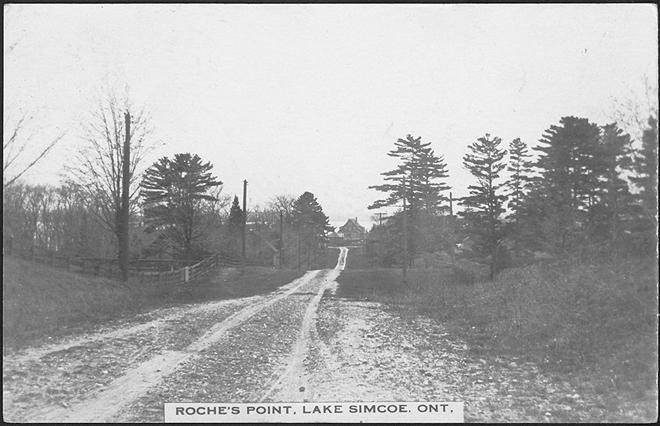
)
(613, 194)
(172, 191)
(568, 164)
(646, 168)
(428, 182)
(311, 224)
(420, 177)
(485, 204)
(408, 151)
(645, 182)
(518, 184)
(235, 227)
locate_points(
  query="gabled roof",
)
(351, 223)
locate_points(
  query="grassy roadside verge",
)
(593, 325)
(40, 301)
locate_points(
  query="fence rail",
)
(147, 271)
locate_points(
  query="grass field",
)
(42, 301)
(595, 323)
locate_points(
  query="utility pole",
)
(281, 245)
(244, 218)
(298, 249)
(451, 206)
(451, 224)
(405, 234)
(123, 217)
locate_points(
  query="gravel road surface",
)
(299, 343)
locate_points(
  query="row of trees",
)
(180, 213)
(589, 188)
(178, 203)
(177, 208)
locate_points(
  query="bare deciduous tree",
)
(97, 167)
(19, 152)
(632, 111)
(283, 203)
(15, 151)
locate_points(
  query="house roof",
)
(351, 223)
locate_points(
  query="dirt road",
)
(299, 343)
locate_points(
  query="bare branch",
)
(99, 163)
(35, 161)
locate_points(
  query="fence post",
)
(185, 274)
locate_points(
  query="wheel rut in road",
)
(136, 381)
(121, 331)
(292, 384)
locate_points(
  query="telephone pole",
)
(299, 250)
(123, 217)
(451, 206)
(405, 234)
(244, 218)
(452, 230)
(281, 245)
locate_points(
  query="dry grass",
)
(558, 306)
(39, 300)
(597, 323)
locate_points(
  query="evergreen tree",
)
(235, 226)
(419, 177)
(645, 181)
(518, 184)
(428, 182)
(408, 151)
(484, 205)
(646, 168)
(613, 194)
(384, 243)
(424, 173)
(172, 191)
(568, 163)
(534, 226)
(311, 224)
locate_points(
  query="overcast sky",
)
(300, 98)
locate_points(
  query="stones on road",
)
(299, 343)
(239, 368)
(71, 391)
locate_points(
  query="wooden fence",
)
(193, 272)
(149, 271)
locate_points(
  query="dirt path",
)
(24, 372)
(292, 384)
(123, 329)
(299, 343)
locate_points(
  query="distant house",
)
(352, 231)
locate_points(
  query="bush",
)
(597, 321)
(562, 310)
(468, 272)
